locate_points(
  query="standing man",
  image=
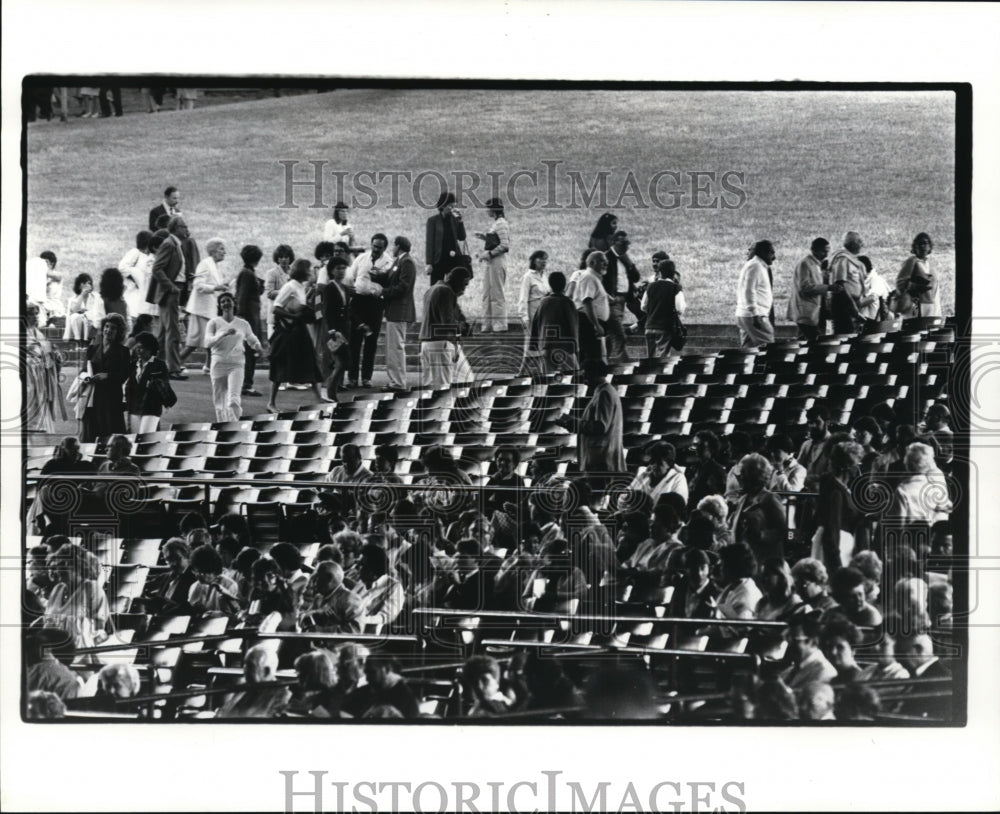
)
(619, 282)
(809, 286)
(169, 207)
(166, 285)
(601, 451)
(366, 308)
(445, 233)
(443, 326)
(755, 297)
(847, 271)
(592, 305)
(397, 294)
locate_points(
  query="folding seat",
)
(710, 409)
(271, 425)
(191, 465)
(194, 449)
(218, 463)
(275, 465)
(227, 500)
(146, 448)
(230, 426)
(311, 425)
(313, 438)
(190, 427)
(274, 437)
(789, 412)
(236, 436)
(205, 626)
(137, 623)
(233, 449)
(124, 584)
(804, 391)
(151, 464)
(264, 520)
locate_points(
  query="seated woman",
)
(556, 582)
(77, 604)
(271, 595)
(923, 495)
(780, 600)
(385, 687)
(847, 586)
(316, 680)
(213, 594)
(78, 327)
(113, 684)
(260, 667)
(662, 475)
(837, 640)
(481, 675)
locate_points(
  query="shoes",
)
(351, 385)
(252, 393)
(283, 386)
(178, 377)
(299, 386)
(205, 369)
(366, 383)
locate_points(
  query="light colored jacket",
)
(807, 291)
(753, 291)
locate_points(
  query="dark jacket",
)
(435, 236)
(398, 291)
(142, 395)
(155, 214)
(614, 269)
(167, 265)
(335, 309)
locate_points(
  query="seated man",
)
(330, 607)
(382, 594)
(168, 593)
(808, 662)
(505, 485)
(662, 475)
(385, 687)
(260, 698)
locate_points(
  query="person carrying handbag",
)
(148, 388)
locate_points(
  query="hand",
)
(428, 268)
(230, 332)
(99, 377)
(480, 235)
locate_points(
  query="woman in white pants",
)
(225, 336)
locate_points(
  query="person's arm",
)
(804, 282)
(525, 291)
(429, 244)
(161, 264)
(250, 338)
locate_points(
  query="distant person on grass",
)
(619, 282)
(170, 207)
(496, 245)
(400, 311)
(248, 291)
(445, 236)
(809, 286)
(336, 313)
(755, 297)
(145, 403)
(202, 306)
(593, 308)
(367, 306)
(848, 279)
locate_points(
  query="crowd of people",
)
(43, 103)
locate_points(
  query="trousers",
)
(144, 423)
(395, 354)
(227, 387)
(755, 332)
(170, 333)
(614, 331)
(494, 298)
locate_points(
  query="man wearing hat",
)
(445, 237)
(496, 242)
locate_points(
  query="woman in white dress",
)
(80, 305)
(225, 337)
(337, 229)
(135, 267)
(202, 305)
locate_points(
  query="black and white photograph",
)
(413, 411)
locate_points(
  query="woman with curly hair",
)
(916, 283)
(108, 367)
(77, 322)
(76, 604)
(111, 289)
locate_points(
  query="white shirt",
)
(359, 274)
(292, 296)
(533, 288)
(228, 350)
(202, 301)
(338, 232)
(589, 285)
(621, 282)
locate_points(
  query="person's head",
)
(142, 240)
(780, 448)
(251, 255)
(922, 245)
(754, 473)
(919, 458)
(172, 196)
(867, 432)
(715, 508)
(482, 676)
(666, 269)
(374, 563)
(607, 223)
(706, 445)
(445, 203)
(665, 523)
(113, 329)
(852, 242)
(846, 457)
(323, 251)
(341, 249)
(68, 449)
(736, 562)
(776, 579)
(942, 543)
(112, 285)
(579, 494)
(287, 556)
(340, 210)
(401, 245)
(597, 263)
(177, 555)
(119, 680)
(206, 564)
(857, 702)
(810, 578)
(557, 282)
(178, 227)
(914, 649)
(802, 635)
(283, 256)
(226, 304)
(662, 456)
(314, 671)
(620, 241)
(378, 668)
(820, 248)
(378, 245)
(633, 529)
(351, 660)
(697, 567)
(837, 640)
(775, 701)
(386, 458)
(458, 280)
(538, 261)
(83, 282)
(192, 520)
(816, 702)
(595, 371)
(215, 248)
(327, 577)
(507, 459)
(266, 575)
(763, 249)
(31, 314)
(302, 271)
(495, 207)
(119, 447)
(350, 544)
(847, 587)
(72, 564)
(45, 706)
(50, 258)
(337, 268)
(351, 456)
(938, 416)
(260, 664)
(228, 547)
(817, 417)
(870, 566)
(243, 563)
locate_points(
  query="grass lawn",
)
(813, 163)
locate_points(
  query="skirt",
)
(293, 354)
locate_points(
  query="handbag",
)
(81, 392)
(166, 393)
(491, 241)
(678, 339)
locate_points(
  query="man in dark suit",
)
(170, 207)
(166, 285)
(336, 312)
(619, 282)
(445, 234)
(400, 311)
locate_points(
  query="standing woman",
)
(146, 379)
(534, 284)
(225, 337)
(41, 373)
(496, 246)
(201, 305)
(916, 280)
(111, 299)
(337, 229)
(109, 367)
(248, 291)
(292, 356)
(274, 279)
(135, 267)
(600, 238)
